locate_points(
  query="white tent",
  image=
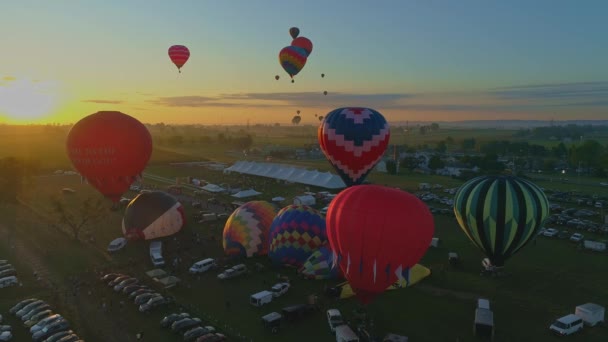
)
(246, 193)
(288, 173)
(278, 199)
(213, 188)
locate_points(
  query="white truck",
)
(156, 253)
(345, 334)
(594, 245)
(261, 298)
(591, 313)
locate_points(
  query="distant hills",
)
(504, 124)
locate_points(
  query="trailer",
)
(591, 313)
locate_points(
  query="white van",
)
(345, 334)
(8, 281)
(261, 298)
(567, 325)
(202, 266)
(156, 253)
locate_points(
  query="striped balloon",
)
(354, 140)
(292, 59)
(500, 214)
(246, 230)
(179, 55)
(296, 232)
(320, 265)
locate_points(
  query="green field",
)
(544, 281)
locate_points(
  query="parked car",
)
(174, 317)
(49, 330)
(295, 312)
(58, 336)
(117, 244)
(153, 303)
(144, 298)
(202, 266)
(185, 324)
(133, 287)
(111, 276)
(567, 325)
(8, 272)
(70, 338)
(233, 272)
(577, 237)
(28, 308)
(46, 321)
(213, 337)
(564, 234)
(8, 281)
(21, 305)
(197, 332)
(117, 280)
(124, 283)
(334, 319)
(34, 311)
(6, 336)
(279, 289)
(141, 291)
(37, 318)
(550, 232)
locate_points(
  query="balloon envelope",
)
(354, 140)
(153, 215)
(292, 59)
(303, 43)
(320, 265)
(179, 55)
(294, 32)
(295, 233)
(110, 150)
(246, 230)
(500, 214)
(377, 233)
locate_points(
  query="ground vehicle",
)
(261, 298)
(233, 272)
(21, 305)
(70, 338)
(8, 272)
(6, 336)
(484, 321)
(279, 289)
(156, 253)
(117, 244)
(132, 288)
(58, 336)
(46, 321)
(117, 280)
(185, 324)
(345, 334)
(34, 311)
(550, 232)
(197, 332)
(37, 318)
(130, 281)
(28, 308)
(111, 276)
(294, 312)
(5, 266)
(591, 313)
(144, 298)
(213, 337)
(272, 321)
(8, 281)
(334, 319)
(577, 237)
(153, 303)
(138, 292)
(49, 330)
(202, 266)
(168, 320)
(567, 325)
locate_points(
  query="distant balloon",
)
(303, 43)
(294, 32)
(276, 77)
(153, 215)
(179, 55)
(296, 120)
(292, 59)
(325, 92)
(321, 118)
(354, 140)
(322, 75)
(315, 115)
(298, 112)
(110, 150)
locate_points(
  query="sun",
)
(26, 100)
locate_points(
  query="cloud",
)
(574, 90)
(105, 101)
(8, 78)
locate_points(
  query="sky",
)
(422, 60)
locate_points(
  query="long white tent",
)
(288, 173)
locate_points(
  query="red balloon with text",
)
(110, 149)
(377, 233)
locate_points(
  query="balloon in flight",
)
(294, 32)
(179, 55)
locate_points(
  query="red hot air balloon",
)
(109, 149)
(179, 55)
(377, 233)
(304, 43)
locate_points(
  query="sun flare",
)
(26, 100)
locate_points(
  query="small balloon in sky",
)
(179, 55)
(325, 92)
(322, 75)
(276, 77)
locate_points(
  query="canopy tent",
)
(213, 188)
(288, 173)
(246, 193)
(278, 199)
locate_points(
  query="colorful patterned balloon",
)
(320, 265)
(354, 140)
(304, 43)
(296, 232)
(246, 230)
(292, 59)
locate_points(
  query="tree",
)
(436, 163)
(468, 144)
(560, 151)
(14, 174)
(176, 140)
(434, 126)
(76, 217)
(442, 147)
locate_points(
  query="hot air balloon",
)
(500, 214)
(320, 265)
(322, 75)
(325, 92)
(153, 215)
(295, 233)
(109, 150)
(298, 112)
(354, 140)
(303, 43)
(179, 55)
(246, 230)
(296, 120)
(294, 32)
(292, 59)
(377, 233)
(321, 118)
(276, 77)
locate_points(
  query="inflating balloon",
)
(377, 233)
(320, 265)
(296, 232)
(179, 55)
(303, 43)
(500, 214)
(354, 140)
(246, 230)
(292, 59)
(153, 215)
(110, 150)
(294, 32)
